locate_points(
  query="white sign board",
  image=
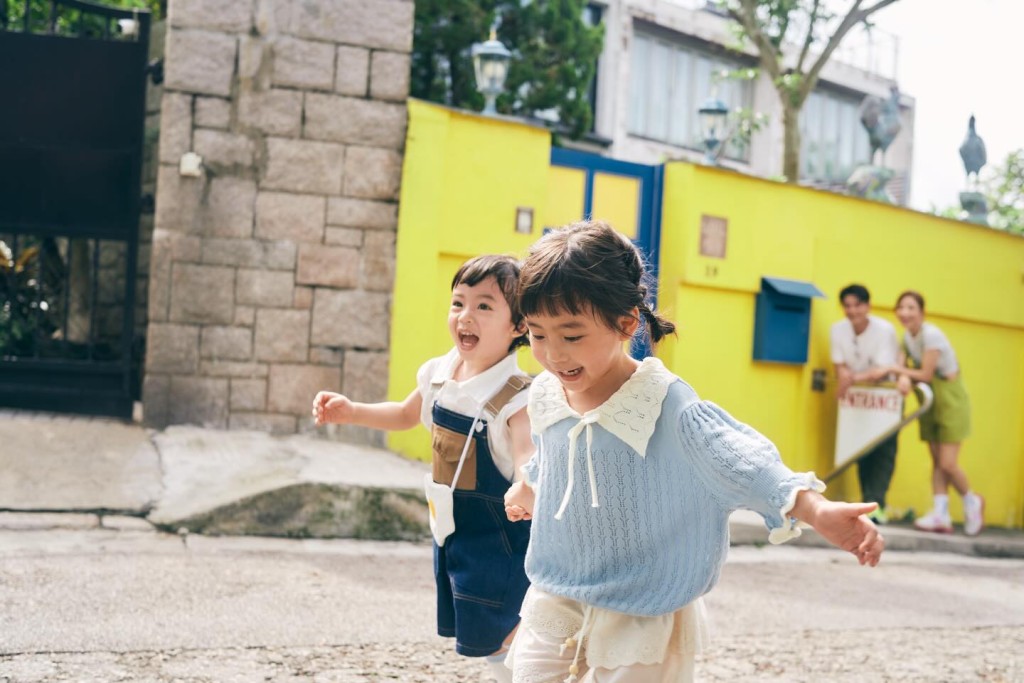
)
(865, 413)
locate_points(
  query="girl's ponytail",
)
(658, 326)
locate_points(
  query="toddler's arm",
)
(841, 524)
(389, 415)
(519, 498)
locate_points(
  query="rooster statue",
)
(972, 151)
(881, 118)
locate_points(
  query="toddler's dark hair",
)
(588, 265)
(505, 271)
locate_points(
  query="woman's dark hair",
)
(505, 271)
(588, 266)
(916, 296)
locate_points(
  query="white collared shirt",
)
(435, 383)
(876, 346)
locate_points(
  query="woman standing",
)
(928, 356)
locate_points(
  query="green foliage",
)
(552, 70)
(556, 59)
(1005, 193)
(71, 21)
(24, 311)
(443, 34)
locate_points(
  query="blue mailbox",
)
(782, 320)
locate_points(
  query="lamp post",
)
(490, 65)
(713, 114)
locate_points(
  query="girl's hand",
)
(845, 526)
(331, 407)
(904, 384)
(519, 502)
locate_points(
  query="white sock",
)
(942, 505)
(971, 499)
(496, 663)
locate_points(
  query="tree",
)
(794, 39)
(443, 33)
(555, 55)
(556, 60)
(1004, 190)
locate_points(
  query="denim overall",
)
(479, 571)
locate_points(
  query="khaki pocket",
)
(448, 446)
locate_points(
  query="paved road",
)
(134, 605)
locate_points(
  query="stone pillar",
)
(271, 272)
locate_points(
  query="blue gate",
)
(628, 196)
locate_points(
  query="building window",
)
(832, 140)
(670, 81)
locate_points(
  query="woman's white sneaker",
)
(974, 514)
(935, 522)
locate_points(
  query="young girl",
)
(928, 356)
(473, 401)
(633, 480)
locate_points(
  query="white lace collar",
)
(629, 414)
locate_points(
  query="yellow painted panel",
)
(970, 276)
(616, 200)
(566, 193)
(464, 177)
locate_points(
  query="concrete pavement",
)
(108, 473)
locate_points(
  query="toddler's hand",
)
(331, 407)
(519, 502)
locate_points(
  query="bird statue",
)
(972, 151)
(881, 118)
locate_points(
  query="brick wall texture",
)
(270, 275)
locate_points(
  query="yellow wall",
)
(463, 178)
(465, 175)
(972, 279)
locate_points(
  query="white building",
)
(658, 67)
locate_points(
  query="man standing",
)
(863, 347)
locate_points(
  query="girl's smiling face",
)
(909, 313)
(585, 354)
(480, 323)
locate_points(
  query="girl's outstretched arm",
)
(389, 415)
(842, 524)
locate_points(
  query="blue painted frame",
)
(648, 233)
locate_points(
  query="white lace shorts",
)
(605, 646)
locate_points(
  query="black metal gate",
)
(72, 110)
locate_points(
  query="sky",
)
(958, 57)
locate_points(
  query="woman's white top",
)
(435, 383)
(930, 338)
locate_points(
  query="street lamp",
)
(490, 64)
(713, 114)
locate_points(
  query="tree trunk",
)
(791, 141)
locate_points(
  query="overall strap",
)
(512, 387)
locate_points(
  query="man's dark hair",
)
(859, 291)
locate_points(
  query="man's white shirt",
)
(876, 346)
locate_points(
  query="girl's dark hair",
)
(916, 296)
(505, 271)
(588, 265)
